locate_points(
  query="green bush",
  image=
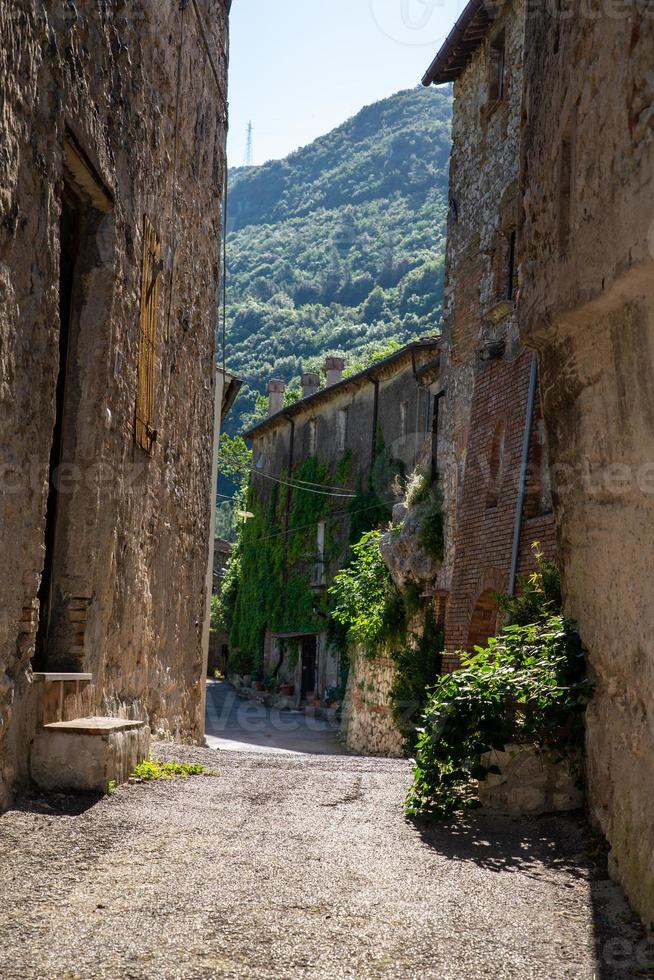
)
(365, 600)
(419, 665)
(538, 595)
(431, 535)
(527, 686)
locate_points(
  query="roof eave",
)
(296, 408)
(463, 40)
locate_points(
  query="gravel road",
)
(299, 866)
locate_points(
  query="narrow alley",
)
(298, 866)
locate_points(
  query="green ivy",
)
(268, 579)
(527, 686)
(418, 667)
(371, 613)
(365, 600)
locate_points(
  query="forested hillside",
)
(339, 247)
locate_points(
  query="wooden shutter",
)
(145, 432)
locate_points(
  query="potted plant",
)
(287, 690)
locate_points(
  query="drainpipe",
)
(522, 485)
(375, 419)
(287, 518)
(434, 455)
(291, 453)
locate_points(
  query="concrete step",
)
(86, 754)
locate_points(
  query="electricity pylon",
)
(249, 147)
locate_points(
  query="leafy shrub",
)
(527, 686)
(431, 535)
(538, 594)
(419, 664)
(366, 601)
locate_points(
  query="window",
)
(341, 430)
(496, 465)
(506, 265)
(404, 419)
(145, 432)
(319, 571)
(496, 58)
(312, 431)
(511, 267)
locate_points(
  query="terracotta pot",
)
(287, 690)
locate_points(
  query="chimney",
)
(334, 370)
(310, 384)
(275, 396)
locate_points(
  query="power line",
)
(296, 486)
(326, 491)
(303, 527)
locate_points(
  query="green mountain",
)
(338, 249)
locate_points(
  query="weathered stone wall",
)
(139, 89)
(487, 371)
(367, 720)
(588, 299)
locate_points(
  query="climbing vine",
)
(268, 580)
(373, 614)
(527, 686)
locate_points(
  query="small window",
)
(404, 419)
(145, 432)
(505, 265)
(511, 267)
(496, 465)
(319, 571)
(496, 60)
(312, 436)
(341, 430)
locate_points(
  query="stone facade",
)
(587, 298)
(367, 721)
(113, 124)
(495, 494)
(389, 405)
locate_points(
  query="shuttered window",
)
(145, 432)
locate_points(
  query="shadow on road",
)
(539, 847)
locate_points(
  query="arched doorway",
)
(483, 622)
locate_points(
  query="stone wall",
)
(487, 372)
(367, 721)
(588, 305)
(121, 108)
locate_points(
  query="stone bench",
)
(86, 754)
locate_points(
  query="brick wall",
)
(485, 530)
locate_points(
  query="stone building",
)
(494, 470)
(333, 456)
(112, 164)
(587, 302)
(219, 639)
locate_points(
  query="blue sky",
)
(300, 67)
